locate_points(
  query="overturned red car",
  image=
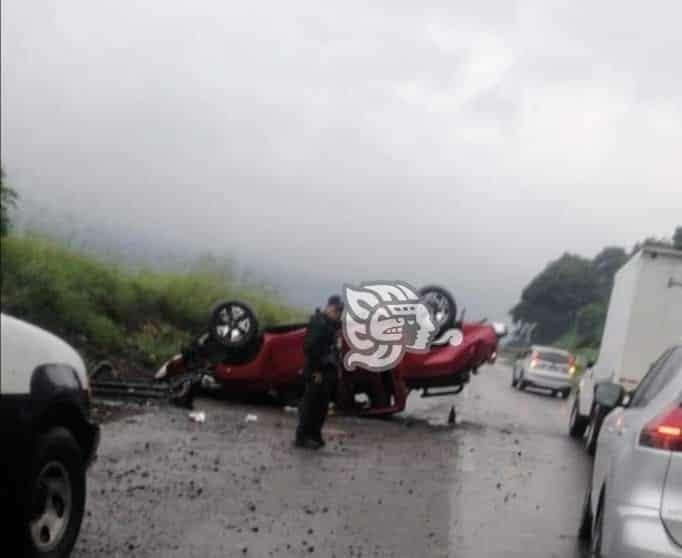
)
(236, 356)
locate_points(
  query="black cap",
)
(335, 301)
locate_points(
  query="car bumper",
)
(546, 381)
(634, 532)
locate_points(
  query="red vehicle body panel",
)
(438, 366)
(278, 365)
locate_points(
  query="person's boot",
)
(319, 440)
(308, 443)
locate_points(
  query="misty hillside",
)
(134, 316)
(139, 246)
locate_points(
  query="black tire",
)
(585, 529)
(58, 458)
(521, 383)
(206, 351)
(514, 381)
(592, 434)
(576, 423)
(245, 354)
(233, 324)
(566, 393)
(442, 305)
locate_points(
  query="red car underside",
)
(277, 368)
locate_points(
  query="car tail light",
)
(534, 359)
(664, 431)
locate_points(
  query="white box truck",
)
(644, 318)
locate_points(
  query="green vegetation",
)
(570, 295)
(7, 199)
(139, 317)
(568, 300)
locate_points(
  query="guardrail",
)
(129, 389)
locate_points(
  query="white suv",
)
(48, 440)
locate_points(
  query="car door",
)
(621, 427)
(634, 474)
(585, 393)
(671, 501)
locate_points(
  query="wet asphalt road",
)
(520, 479)
(505, 481)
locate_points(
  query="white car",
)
(544, 367)
(47, 438)
(633, 507)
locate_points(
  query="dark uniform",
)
(319, 373)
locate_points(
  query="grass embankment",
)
(106, 310)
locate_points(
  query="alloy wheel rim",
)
(233, 324)
(52, 506)
(439, 307)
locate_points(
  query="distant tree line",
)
(7, 199)
(569, 298)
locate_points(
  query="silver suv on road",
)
(633, 508)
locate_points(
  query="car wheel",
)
(233, 324)
(576, 423)
(566, 393)
(597, 533)
(521, 382)
(442, 306)
(592, 432)
(514, 381)
(585, 529)
(57, 496)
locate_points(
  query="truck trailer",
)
(643, 319)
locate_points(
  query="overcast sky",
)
(459, 143)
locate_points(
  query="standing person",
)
(319, 372)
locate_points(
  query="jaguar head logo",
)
(381, 321)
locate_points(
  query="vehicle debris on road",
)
(198, 416)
